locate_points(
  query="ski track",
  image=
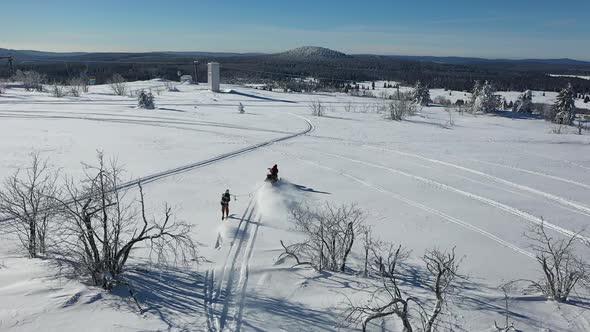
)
(488, 201)
(575, 183)
(559, 199)
(419, 206)
(244, 275)
(234, 277)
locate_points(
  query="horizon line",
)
(271, 53)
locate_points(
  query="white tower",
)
(213, 76)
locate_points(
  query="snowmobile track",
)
(422, 207)
(181, 169)
(555, 198)
(553, 177)
(493, 203)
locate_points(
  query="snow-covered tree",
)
(421, 94)
(524, 104)
(30, 79)
(484, 98)
(477, 86)
(117, 84)
(145, 100)
(564, 107)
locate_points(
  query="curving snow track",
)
(185, 168)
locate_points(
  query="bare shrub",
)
(349, 107)
(400, 109)
(103, 227)
(562, 268)
(368, 245)
(557, 128)
(441, 100)
(78, 85)
(27, 199)
(118, 85)
(58, 90)
(30, 79)
(329, 233)
(389, 299)
(317, 108)
(171, 87)
(450, 113)
(507, 327)
(548, 111)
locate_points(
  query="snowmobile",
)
(271, 176)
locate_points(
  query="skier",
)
(225, 199)
(241, 108)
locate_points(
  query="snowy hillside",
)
(311, 53)
(433, 181)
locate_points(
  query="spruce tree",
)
(421, 94)
(145, 100)
(524, 103)
(564, 107)
(484, 98)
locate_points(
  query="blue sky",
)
(499, 28)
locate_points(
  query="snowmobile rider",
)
(225, 199)
(274, 172)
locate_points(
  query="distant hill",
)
(300, 53)
(333, 67)
(311, 53)
(37, 54)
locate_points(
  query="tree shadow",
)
(434, 124)
(249, 95)
(517, 115)
(291, 316)
(308, 189)
(169, 294)
(338, 118)
(170, 109)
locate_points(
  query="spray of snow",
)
(274, 201)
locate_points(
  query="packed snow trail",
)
(174, 171)
(496, 204)
(233, 281)
(128, 119)
(557, 178)
(558, 199)
(418, 205)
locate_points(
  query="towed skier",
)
(225, 199)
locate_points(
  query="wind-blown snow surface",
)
(424, 184)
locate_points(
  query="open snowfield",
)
(423, 184)
(544, 97)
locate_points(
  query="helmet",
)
(227, 191)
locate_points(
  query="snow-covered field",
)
(544, 97)
(424, 184)
(576, 76)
